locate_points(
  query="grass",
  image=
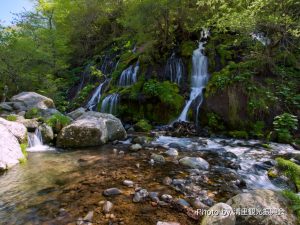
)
(295, 202)
(292, 170)
(11, 118)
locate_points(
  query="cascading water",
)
(35, 142)
(110, 103)
(95, 99)
(261, 38)
(174, 69)
(199, 80)
(129, 75)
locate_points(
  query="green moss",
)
(257, 129)
(23, 149)
(58, 121)
(143, 125)
(32, 113)
(214, 122)
(239, 134)
(295, 202)
(11, 118)
(187, 48)
(292, 170)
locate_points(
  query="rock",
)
(76, 113)
(198, 204)
(172, 152)
(19, 106)
(107, 206)
(47, 133)
(158, 158)
(135, 147)
(33, 100)
(128, 183)
(10, 150)
(17, 129)
(183, 203)
(30, 124)
(131, 129)
(195, 162)
(112, 192)
(87, 220)
(262, 199)
(140, 195)
(154, 196)
(48, 113)
(166, 197)
(91, 129)
(6, 107)
(167, 181)
(167, 223)
(220, 213)
(140, 140)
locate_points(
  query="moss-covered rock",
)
(142, 125)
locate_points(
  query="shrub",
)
(32, 113)
(292, 170)
(284, 124)
(214, 122)
(58, 121)
(143, 125)
(257, 129)
(11, 118)
(239, 134)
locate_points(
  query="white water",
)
(110, 103)
(261, 38)
(199, 80)
(129, 75)
(174, 69)
(35, 142)
(95, 99)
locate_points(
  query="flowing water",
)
(129, 75)
(96, 97)
(110, 104)
(35, 142)
(174, 69)
(199, 80)
(36, 192)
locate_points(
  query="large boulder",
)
(220, 213)
(17, 129)
(10, 150)
(32, 100)
(30, 124)
(262, 199)
(91, 129)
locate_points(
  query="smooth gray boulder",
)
(32, 100)
(17, 129)
(91, 129)
(194, 162)
(10, 150)
(263, 199)
(76, 113)
(4, 106)
(220, 213)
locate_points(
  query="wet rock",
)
(140, 195)
(10, 149)
(194, 162)
(167, 198)
(154, 196)
(178, 182)
(76, 113)
(262, 199)
(47, 133)
(135, 147)
(4, 106)
(221, 213)
(107, 206)
(167, 181)
(198, 204)
(167, 223)
(175, 146)
(183, 203)
(172, 152)
(30, 124)
(162, 203)
(17, 129)
(158, 158)
(140, 140)
(112, 192)
(128, 183)
(87, 220)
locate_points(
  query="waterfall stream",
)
(199, 79)
(174, 69)
(129, 75)
(96, 97)
(110, 103)
(35, 142)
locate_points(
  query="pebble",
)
(128, 183)
(140, 196)
(121, 152)
(158, 158)
(87, 220)
(162, 203)
(137, 165)
(198, 204)
(115, 151)
(112, 191)
(107, 207)
(154, 196)
(135, 147)
(182, 202)
(172, 152)
(167, 181)
(166, 197)
(167, 223)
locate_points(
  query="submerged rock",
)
(140, 195)
(220, 213)
(10, 150)
(112, 192)
(158, 158)
(263, 199)
(17, 129)
(195, 162)
(172, 152)
(91, 129)
(135, 147)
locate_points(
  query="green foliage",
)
(291, 169)
(83, 95)
(142, 125)
(239, 134)
(187, 48)
(23, 148)
(58, 121)
(11, 118)
(284, 125)
(32, 113)
(295, 202)
(214, 122)
(257, 129)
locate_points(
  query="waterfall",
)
(95, 99)
(35, 142)
(129, 75)
(261, 38)
(174, 69)
(199, 79)
(110, 103)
